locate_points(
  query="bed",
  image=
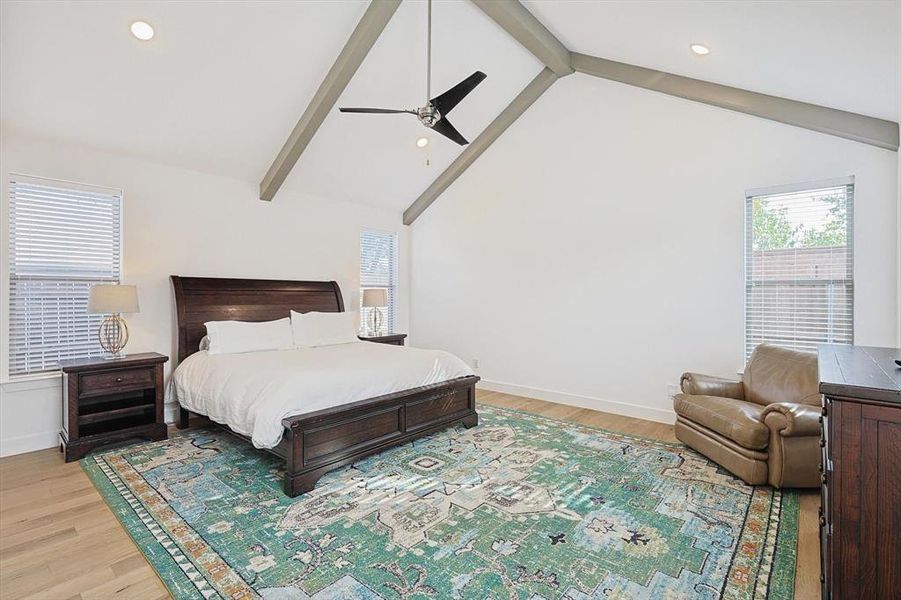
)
(328, 436)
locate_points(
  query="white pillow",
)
(232, 337)
(324, 328)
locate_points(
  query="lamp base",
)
(113, 335)
(375, 321)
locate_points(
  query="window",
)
(63, 238)
(799, 266)
(378, 269)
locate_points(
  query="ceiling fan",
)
(434, 114)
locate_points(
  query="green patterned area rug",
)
(519, 507)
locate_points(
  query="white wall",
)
(590, 256)
(594, 252)
(179, 222)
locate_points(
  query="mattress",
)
(252, 392)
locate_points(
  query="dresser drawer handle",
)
(822, 443)
(822, 521)
(118, 380)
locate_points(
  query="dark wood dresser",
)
(108, 401)
(860, 519)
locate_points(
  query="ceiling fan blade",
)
(451, 98)
(376, 111)
(444, 127)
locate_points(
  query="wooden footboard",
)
(319, 442)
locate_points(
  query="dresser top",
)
(96, 364)
(863, 372)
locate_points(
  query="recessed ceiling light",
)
(422, 142)
(141, 30)
(700, 49)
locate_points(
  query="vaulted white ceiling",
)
(844, 55)
(223, 83)
(218, 89)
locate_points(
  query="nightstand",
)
(394, 339)
(108, 401)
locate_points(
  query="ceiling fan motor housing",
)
(428, 115)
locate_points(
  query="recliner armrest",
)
(707, 385)
(792, 420)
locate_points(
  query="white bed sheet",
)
(252, 392)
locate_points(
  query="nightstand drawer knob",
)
(118, 380)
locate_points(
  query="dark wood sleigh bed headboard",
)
(202, 299)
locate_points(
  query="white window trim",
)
(4, 279)
(799, 187)
(788, 189)
(5, 377)
(394, 316)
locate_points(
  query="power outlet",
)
(475, 363)
(671, 390)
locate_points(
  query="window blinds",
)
(378, 269)
(799, 267)
(63, 239)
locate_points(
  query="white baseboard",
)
(170, 412)
(29, 443)
(49, 439)
(649, 413)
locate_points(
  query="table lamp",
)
(112, 301)
(374, 299)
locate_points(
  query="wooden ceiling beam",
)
(349, 60)
(524, 100)
(840, 123)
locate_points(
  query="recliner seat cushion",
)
(723, 452)
(735, 419)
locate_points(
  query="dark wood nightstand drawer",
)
(392, 339)
(123, 379)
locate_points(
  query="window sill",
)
(38, 381)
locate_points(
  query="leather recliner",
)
(764, 428)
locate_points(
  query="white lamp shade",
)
(108, 299)
(375, 297)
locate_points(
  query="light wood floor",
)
(59, 541)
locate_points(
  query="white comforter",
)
(254, 391)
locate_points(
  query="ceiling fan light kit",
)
(434, 114)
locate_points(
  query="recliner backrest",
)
(775, 374)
